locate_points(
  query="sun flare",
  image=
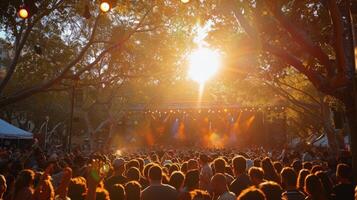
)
(203, 64)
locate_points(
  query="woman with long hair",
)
(23, 189)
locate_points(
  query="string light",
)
(23, 13)
(105, 6)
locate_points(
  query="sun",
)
(203, 64)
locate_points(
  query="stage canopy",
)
(8, 131)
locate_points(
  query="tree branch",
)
(20, 43)
(35, 89)
(299, 90)
(301, 38)
(317, 80)
(338, 31)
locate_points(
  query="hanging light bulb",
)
(23, 13)
(28, 9)
(105, 6)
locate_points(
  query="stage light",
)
(23, 13)
(185, 1)
(105, 6)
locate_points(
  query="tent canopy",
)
(8, 131)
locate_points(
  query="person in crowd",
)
(24, 188)
(301, 180)
(117, 192)
(251, 193)
(270, 173)
(220, 188)
(191, 180)
(157, 190)
(205, 173)
(326, 183)
(241, 180)
(47, 175)
(132, 190)
(176, 180)
(173, 168)
(118, 176)
(288, 182)
(307, 165)
(77, 188)
(316, 168)
(297, 166)
(272, 190)
(192, 164)
(344, 189)
(278, 166)
(3, 186)
(199, 195)
(102, 194)
(133, 174)
(314, 188)
(256, 175)
(220, 167)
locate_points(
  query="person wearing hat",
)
(117, 177)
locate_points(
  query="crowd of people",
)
(169, 174)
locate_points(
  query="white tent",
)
(8, 131)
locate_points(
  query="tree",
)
(291, 32)
(77, 44)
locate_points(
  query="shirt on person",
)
(205, 177)
(293, 195)
(240, 183)
(344, 191)
(227, 196)
(160, 191)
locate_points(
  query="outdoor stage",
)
(206, 125)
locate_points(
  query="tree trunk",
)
(350, 93)
(352, 122)
(329, 130)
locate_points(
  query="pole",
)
(71, 120)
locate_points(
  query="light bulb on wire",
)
(23, 13)
(104, 6)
